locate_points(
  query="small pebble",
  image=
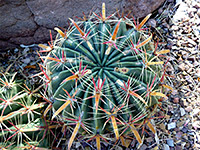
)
(174, 27)
(184, 129)
(196, 125)
(166, 147)
(178, 147)
(182, 66)
(180, 124)
(184, 102)
(16, 50)
(179, 135)
(188, 109)
(156, 148)
(176, 100)
(149, 139)
(174, 92)
(183, 145)
(162, 127)
(198, 12)
(170, 142)
(78, 144)
(143, 147)
(133, 142)
(198, 72)
(182, 111)
(26, 60)
(152, 22)
(192, 42)
(185, 136)
(196, 111)
(171, 125)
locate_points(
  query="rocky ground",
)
(180, 128)
(177, 27)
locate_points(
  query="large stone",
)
(28, 21)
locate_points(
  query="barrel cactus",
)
(21, 122)
(105, 77)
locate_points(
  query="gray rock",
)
(28, 21)
(4, 45)
(16, 21)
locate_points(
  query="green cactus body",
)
(102, 74)
(19, 114)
